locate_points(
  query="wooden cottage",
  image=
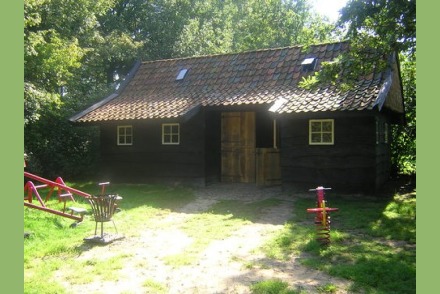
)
(243, 118)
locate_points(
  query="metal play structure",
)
(103, 206)
(322, 217)
(63, 192)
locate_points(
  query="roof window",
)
(181, 74)
(277, 105)
(309, 64)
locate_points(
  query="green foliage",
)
(235, 26)
(404, 145)
(392, 22)
(55, 149)
(376, 29)
(64, 60)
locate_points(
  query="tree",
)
(236, 26)
(390, 26)
(391, 21)
(377, 28)
(64, 62)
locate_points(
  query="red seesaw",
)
(322, 218)
(64, 193)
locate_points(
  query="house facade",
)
(243, 118)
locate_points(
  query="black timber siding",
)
(354, 163)
(148, 160)
(213, 146)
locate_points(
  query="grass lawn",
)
(373, 240)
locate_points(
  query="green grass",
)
(274, 286)
(372, 242)
(373, 239)
(53, 244)
(151, 286)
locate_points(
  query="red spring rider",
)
(322, 218)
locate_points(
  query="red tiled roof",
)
(257, 77)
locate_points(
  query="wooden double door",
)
(238, 147)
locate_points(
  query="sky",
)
(329, 8)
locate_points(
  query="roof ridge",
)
(242, 52)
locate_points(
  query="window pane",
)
(316, 126)
(175, 139)
(127, 131)
(175, 129)
(128, 140)
(122, 131)
(326, 126)
(326, 137)
(316, 138)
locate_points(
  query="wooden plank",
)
(238, 147)
(268, 167)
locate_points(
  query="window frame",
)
(125, 136)
(171, 134)
(321, 132)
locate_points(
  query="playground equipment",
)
(322, 217)
(103, 206)
(64, 194)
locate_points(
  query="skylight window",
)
(308, 64)
(181, 74)
(277, 105)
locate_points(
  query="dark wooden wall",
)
(351, 164)
(354, 163)
(213, 146)
(383, 154)
(147, 160)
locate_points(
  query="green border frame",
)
(428, 105)
(11, 216)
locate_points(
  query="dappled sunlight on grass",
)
(372, 242)
(144, 209)
(372, 239)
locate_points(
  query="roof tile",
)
(257, 77)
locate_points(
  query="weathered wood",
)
(238, 147)
(268, 171)
(220, 145)
(148, 159)
(354, 162)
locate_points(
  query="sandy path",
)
(221, 267)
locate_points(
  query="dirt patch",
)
(222, 267)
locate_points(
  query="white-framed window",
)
(171, 134)
(321, 132)
(125, 135)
